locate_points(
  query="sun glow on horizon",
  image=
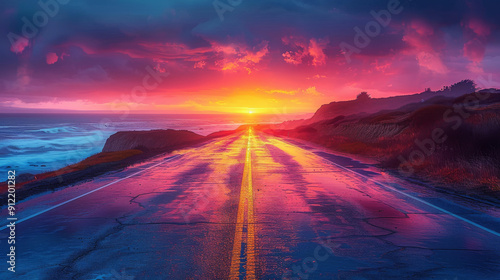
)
(247, 102)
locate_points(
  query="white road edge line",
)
(92, 191)
(418, 199)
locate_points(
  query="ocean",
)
(36, 143)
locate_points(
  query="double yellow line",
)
(243, 257)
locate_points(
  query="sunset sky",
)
(263, 56)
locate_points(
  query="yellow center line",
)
(245, 203)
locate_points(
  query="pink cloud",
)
(479, 27)
(317, 76)
(432, 62)
(303, 50)
(52, 58)
(293, 57)
(19, 45)
(217, 56)
(200, 64)
(421, 36)
(474, 50)
(426, 45)
(422, 28)
(158, 51)
(240, 57)
(316, 50)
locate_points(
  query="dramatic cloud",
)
(239, 57)
(477, 33)
(52, 58)
(474, 50)
(273, 53)
(310, 52)
(316, 50)
(426, 44)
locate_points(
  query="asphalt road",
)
(253, 206)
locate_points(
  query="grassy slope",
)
(91, 161)
(468, 160)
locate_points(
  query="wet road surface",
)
(253, 206)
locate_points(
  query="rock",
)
(150, 140)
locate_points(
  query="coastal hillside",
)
(454, 141)
(121, 149)
(364, 104)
